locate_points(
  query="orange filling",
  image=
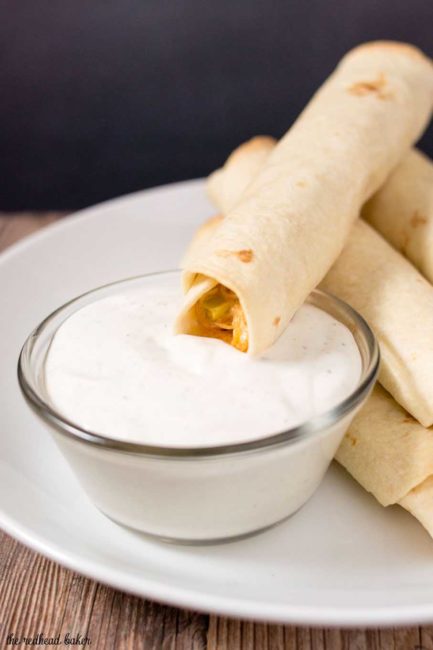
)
(221, 316)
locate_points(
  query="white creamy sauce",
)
(115, 368)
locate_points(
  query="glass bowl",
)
(200, 494)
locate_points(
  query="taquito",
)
(226, 185)
(391, 455)
(386, 450)
(402, 211)
(397, 302)
(244, 284)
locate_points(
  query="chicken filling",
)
(221, 316)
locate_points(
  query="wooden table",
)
(39, 596)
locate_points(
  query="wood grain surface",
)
(39, 596)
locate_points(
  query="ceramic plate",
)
(341, 560)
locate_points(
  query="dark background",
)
(99, 98)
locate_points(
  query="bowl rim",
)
(314, 425)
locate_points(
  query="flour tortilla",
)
(294, 218)
(402, 211)
(397, 302)
(386, 450)
(391, 455)
(226, 185)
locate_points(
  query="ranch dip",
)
(115, 368)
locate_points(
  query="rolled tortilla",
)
(226, 185)
(402, 211)
(295, 216)
(391, 455)
(386, 450)
(397, 302)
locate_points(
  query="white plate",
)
(342, 560)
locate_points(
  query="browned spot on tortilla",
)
(352, 439)
(301, 184)
(277, 320)
(417, 219)
(374, 87)
(246, 255)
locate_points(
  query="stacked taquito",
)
(276, 244)
(386, 448)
